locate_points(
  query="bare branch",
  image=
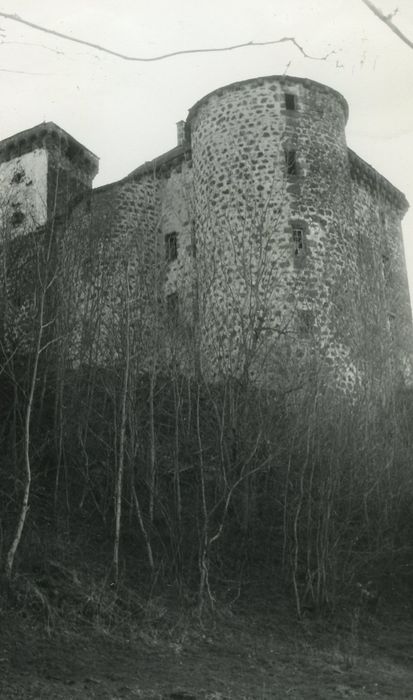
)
(387, 19)
(21, 72)
(3, 42)
(125, 57)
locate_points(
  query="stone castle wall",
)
(259, 245)
(23, 193)
(248, 205)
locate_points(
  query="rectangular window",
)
(386, 267)
(290, 101)
(291, 162)
(298, 241)
(171, 246)
(305, 321)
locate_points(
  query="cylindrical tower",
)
(276, 254)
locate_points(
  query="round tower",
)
(274, 222)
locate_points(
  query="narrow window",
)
(171, 246)
(385, 259)
(298, 241)
(290, 102)
(172, 304)
(305, 321)
(291, 162)
(17, 218)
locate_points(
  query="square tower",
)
(41, 170)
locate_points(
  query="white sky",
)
(126, 112)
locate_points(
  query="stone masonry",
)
(260, 245)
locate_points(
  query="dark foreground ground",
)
(244, 656)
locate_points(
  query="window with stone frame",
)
(291, 162)
(171, 246)
(305, 322)
(290, 102)
(298, 237)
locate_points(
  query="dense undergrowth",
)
(227, 492)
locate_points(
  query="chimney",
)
(180, 130)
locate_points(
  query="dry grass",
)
(88, 640)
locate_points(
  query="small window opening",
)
(171, 246)
(298, 241)
(290, 101)
(305, 321)
(17, 218)
(291, 162)
(17, 177)
(386, 267)
(172, 304)
(71, 152)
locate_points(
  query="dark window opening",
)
(385, 259)
(171, 246)
(71, 152)
(291, 162)
(290, 102)
(17, 218)
(172, 304)
(305, 321)
(298, 241)
(17, 177)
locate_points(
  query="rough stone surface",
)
(23, 192)
(289, 260)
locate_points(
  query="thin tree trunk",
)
(152, 475)
(143, 528)
(27, 464)
(122, 436)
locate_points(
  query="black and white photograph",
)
(206, 350)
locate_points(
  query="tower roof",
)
(38, 137)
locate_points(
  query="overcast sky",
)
(126, 112)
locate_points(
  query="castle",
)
(260, 244)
